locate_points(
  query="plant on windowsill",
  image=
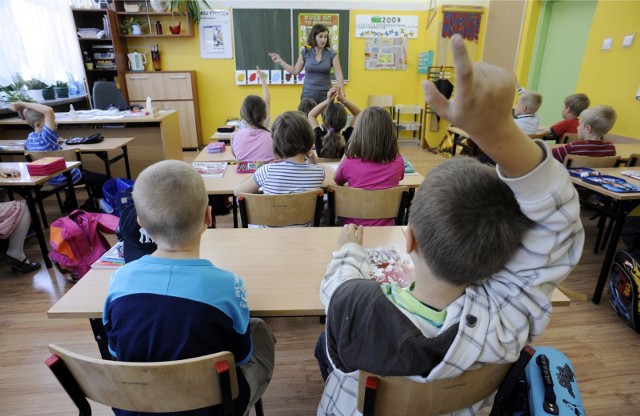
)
(36, 88)
(131, 26)
(11, 94)
(62, 89)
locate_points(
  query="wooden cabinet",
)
(173, 90)
(108, 53)
(153, 23)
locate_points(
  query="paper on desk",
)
(333, 166)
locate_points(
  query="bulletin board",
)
(256, 32)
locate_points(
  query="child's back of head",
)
(254, 111)
(577, 103)
(466, 221)
(532, 100)
(32, 117)
(306, 105)
(601, 119)
(171, 202)
(373, 138)
(334, 118)
(292, 135)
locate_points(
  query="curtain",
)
(38, 40)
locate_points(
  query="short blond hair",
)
(32, 117)
(171, 201)
(532, 100)
(601, 119)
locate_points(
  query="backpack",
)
(624, 279)
(77, 241)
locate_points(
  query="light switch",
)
(606, 44)
(628, 41)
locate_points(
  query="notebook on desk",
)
(210, 169)
(248, 167)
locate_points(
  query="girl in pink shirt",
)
(372, 159)
(253, 143)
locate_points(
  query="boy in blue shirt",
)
(172, 305)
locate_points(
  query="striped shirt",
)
(593, 148)
(288, 178)
(45, 141)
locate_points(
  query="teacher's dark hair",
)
(318, 28)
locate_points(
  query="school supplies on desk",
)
(112, 259)
(248, 167)
(635, 174)
(582, 172)
(612, 183)
(46, 166)
(216, 147)
(210, 169)
(408, 167)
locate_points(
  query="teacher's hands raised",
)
(275, 57)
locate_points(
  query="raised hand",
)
(275, 57)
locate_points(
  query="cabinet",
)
(403, 121)
(173, 90)
(108, 53)
(152, 23)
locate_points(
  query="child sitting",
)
(292, 142)
(573, 106)
(527, 106)
(173, 305)
(593, 125)
(372, 159)
(306, 105)
(44, 138)
(488, 246)
(330, 139)
(253, 142)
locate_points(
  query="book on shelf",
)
(210, 169)
(46, 166)
(111, 259)
(248, 167)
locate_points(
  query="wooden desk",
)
(24, 184)
(623, 203)
(221, 137)
(101, 150)
(225, 156)
(156, 138)
(275, 287)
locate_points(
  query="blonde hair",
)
(600, 118)
(373, 137)
(32, 117)
(532, 100)
(171, 201)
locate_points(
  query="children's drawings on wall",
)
(276, 77)
(300, 77)
(241, 77)
(385, 53)
(387, 26)
(215, 34)
(288, 78)
(252, 77)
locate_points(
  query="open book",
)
(211, 169)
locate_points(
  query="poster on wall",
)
(425, 60)
(386, 26)
(330, 20)
(385, 53)
(215, 34)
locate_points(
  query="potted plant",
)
(35, 87)
(131, 26)
(49, 93)
(11, 94)
(191, 7)
(62, 89)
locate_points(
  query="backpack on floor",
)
(77, 241)
(624, 279)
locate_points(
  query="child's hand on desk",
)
(350, 233)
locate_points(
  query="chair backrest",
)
(569, 137)
(105, 94)
(536, 135)
(402, 396)
(633, 159)
(580, 161)
(281, 210)
(384, 101)
(170, 386)
(368, 204)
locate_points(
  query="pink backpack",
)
(77, 241)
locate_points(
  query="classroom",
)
(554, 47)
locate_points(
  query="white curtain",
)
(38, 40)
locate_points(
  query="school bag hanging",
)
(77, 241)
(624, 279)
(116, 195)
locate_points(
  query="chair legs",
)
(258, 407)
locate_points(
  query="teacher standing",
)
(317, 58)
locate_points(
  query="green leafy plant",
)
(62, 84)
(191, 7)
(128, 24)
(36, 84)
(12, 95)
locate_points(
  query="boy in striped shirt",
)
(594, 124)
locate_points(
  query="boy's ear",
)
(208, 218)
(588, 128)
(412, 244)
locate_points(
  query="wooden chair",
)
(384, 101)
(569, 137)
(633, 159)
(281, 210)
(536, 136)
(401, 396)
(579, 161)
(368, 204)
(47, 190)
(170, 386)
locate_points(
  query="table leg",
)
(126, 161)
(35, 219)
(72, 192)
(235, 211)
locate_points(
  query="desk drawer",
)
(159, 86)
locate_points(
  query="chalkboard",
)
(256, 32)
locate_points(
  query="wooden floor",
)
(603, 349)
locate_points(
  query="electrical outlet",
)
(638, 94)
(628, 41)
(606, 44)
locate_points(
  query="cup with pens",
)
(155, 57)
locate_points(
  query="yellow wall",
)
(527, 40)
(612, 77)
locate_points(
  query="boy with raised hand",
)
(489, 246)
(172, 304)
